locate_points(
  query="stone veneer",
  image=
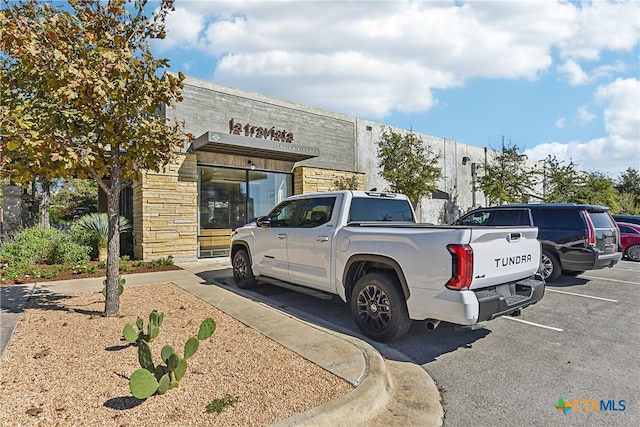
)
(312, 180)
(165, 212)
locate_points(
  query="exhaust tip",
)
(431, 324)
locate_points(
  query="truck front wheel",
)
(242, 273)
(379, 307)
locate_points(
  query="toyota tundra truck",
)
(367, 248)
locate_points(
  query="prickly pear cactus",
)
(159, 379)
(153, 329)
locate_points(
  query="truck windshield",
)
(371, 209)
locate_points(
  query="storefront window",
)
(230, 198)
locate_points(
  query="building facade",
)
(250, 151)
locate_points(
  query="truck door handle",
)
(282, 236)
(514, 237)
(322, 238)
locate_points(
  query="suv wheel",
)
(379, 307)
(549, 266)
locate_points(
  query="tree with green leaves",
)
(70, 195)
(628, 187)
(505, 177)
(597, 189)
(562, 182)
(408, 164)
(81, 91)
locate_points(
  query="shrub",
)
(37, 245)
(41, 246)
(162, 262)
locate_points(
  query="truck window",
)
(315, 212)
(282, 215)
(371, 209)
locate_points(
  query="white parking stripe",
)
(611, 280)
(531, 323)
(580, 295)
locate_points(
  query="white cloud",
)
(392, 45)
(620, 148)
(371, 60)
(575, 75)
(183, 29)
(584, 115)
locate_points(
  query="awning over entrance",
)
(217, 142)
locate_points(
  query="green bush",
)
(162, 262)
(37, 245)
(84, 237)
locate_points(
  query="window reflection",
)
(230, 198)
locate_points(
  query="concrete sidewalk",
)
(388, 392)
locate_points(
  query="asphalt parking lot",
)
(581, 344)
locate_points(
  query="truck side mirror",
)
(264, 221)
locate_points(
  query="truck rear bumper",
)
(504, 299)
(469, 307)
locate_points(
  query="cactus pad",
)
(142, 384)
(166, 351)
(207, 328)
(181, 369)
(130, 335)
(190, 347)
(163, 384)
(145, 357)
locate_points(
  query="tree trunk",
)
(112, 303)
(46, 203)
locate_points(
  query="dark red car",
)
(630, 239)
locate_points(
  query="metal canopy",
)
(217, 142)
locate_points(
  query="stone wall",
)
(165, 212)
(312, 180)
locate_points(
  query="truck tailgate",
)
(503, 254)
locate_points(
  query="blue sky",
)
(552, 77)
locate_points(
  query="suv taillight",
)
(461, 268)
(591, 231)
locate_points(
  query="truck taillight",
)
(462, 267)
(591, 231)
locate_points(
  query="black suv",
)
(574, 237)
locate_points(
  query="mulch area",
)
(100, 272)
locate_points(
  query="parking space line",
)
(611, 280)
(532, 324)
(580, 295)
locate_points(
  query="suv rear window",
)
(557, 219)
(600, 220)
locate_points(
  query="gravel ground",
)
(68, 365)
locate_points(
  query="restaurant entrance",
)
(230, 198)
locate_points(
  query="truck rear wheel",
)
(242, 273)
(379, 307)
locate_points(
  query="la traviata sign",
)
(237, 128)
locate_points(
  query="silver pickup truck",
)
(367, 248)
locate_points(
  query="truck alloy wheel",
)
(379, 307)
(242, 273)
